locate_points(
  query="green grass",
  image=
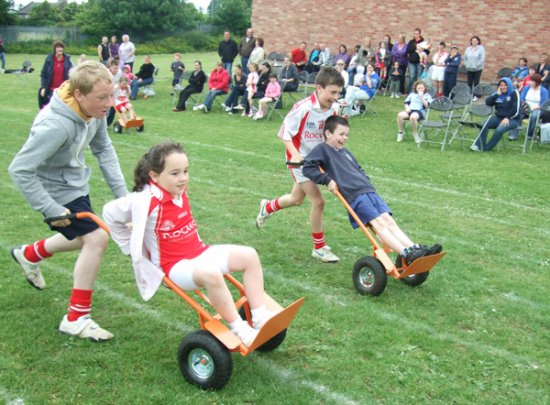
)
(476, 332)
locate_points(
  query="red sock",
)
(36, 252)
(80, 304)
(318, 239)
(272, 206)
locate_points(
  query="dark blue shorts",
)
(368, 206)
(420, 114)
(78, 227)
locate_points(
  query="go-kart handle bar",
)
(80, 215)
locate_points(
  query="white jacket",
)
(134, 209)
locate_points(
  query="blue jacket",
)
(506, 105)
(452, 64)
(375, 81)
(47, 70)
(543, 94)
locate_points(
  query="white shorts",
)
(215, 257)
(298, 176)
(438, 73)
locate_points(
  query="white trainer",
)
(31, 271)
(85, 328)
(416, 138)
(197, 107)
(325, 255)
(259, 323)
(474, 148)
(262, 215)
(400, 136)
(246, 333)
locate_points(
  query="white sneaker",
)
(325, 255)
(263, 215)
(238, 107)
(31, 271)
(85, 328)
(416, 138)
(400, 136)
(198, 107)
(223, 105)
(474, 148)
(246, 333)
(228, 109)
(258, 324)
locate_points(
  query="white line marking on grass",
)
(5, 394)
(167, 320)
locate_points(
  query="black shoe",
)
(414, 253)
(432, 250)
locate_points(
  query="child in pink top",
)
(272, 94)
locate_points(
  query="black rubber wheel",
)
(415, 279)
(140, 128)
(369, 276)
(204, 361)
(272, 343)
(117, 128)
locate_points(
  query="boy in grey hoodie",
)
(51, 172)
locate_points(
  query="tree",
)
(44, 14)
(144, 19)
(232, 15)
(7, 17)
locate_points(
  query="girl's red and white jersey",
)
(304, 125)
(171, 232)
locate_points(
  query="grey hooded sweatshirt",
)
(50, 169)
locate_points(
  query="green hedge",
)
(188, 42)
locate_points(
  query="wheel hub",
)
(201, 363)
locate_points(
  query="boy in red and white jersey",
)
(301, 131)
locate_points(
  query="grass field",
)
(478, 331)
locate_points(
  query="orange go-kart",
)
(370, 272)
(120, 125)
(204, 356)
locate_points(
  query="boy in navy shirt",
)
(343, 173)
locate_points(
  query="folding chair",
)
(148, 90)
(461, 97)
(179, 87)
(537, 128)
(474, 118)
(367, 104)
(275, 106)
(443, 105)
(484, 90)
(503, 72)
(272, 57)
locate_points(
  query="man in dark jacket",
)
(228, 51)
(414, 57)
(248, 42)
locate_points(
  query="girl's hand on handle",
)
(332, 187)
(62, 222)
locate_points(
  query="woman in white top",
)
(126, 52)
(258, 53)
(438, 68)
(534, 95)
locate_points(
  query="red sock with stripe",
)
(80, 304)
(36, 252)
(318, 239)
(272, 206)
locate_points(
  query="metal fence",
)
(21, 33)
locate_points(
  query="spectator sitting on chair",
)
(325, 57)
(340, 67)
(365, 89)
(228, 51)
(247, 44)
(525, 82)
(534, 95)
(238, 89)
(352, 66)
(271, 94)
(289, 76)
(218, 83)
(506, 118)
(196, 84)
(313, 63)
(54, 72)
(416, 105)
(343, 55)
(263, 80)
(299, 57)
(143, 77)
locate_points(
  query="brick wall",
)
(508, 29)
